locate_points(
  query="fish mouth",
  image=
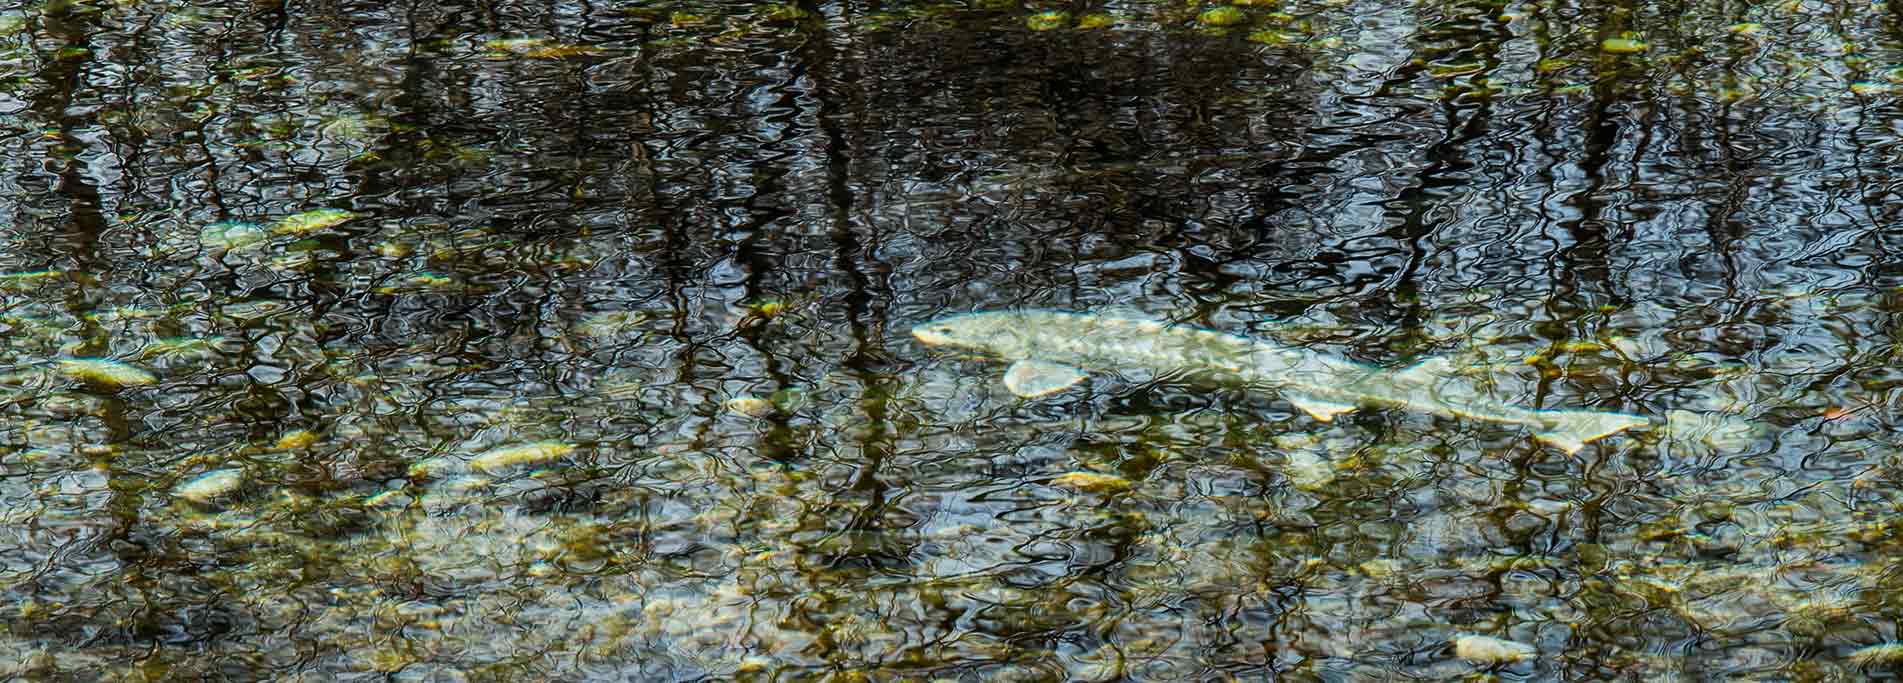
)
(932, 334)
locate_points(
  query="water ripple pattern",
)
(570, 341)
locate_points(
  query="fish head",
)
(995, 333)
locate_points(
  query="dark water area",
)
(570, 341)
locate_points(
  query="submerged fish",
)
(1050, 350)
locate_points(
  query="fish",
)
(1052, 350)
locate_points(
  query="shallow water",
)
(569, 342)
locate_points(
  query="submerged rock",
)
(210, 486)
(230, 235)
(1309, 471)
(1490, 650)
(750, 406)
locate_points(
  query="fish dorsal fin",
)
(1034, 378)
(1426, 372)
(1317, 408)
(1564, 441)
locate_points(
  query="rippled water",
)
(569, 341)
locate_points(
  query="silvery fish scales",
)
(1052, 350)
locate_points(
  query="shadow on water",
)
(448, 341)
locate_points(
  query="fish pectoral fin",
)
(1425, 372)
(1319, 409)
(1560, 440)
(1571, 430)
(1034, 378)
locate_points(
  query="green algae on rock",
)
(498, 459)
(1882, 654)
(1623, 46)
(311, 221)
(30, 277)
(106, 372)
(1222, 16)
(295, 439)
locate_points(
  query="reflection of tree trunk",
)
(1721, 229)
(1582, 265)
(1874, 180)
(767, 210)
(78, 242)
(834, 105)
(79, 237)
(674, 257)
(1453, 37)
(1412, 227)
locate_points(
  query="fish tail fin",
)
(1570, 430)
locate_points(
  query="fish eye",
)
(942, 330)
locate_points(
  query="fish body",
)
(1052, 350)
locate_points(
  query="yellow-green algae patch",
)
(1272, 37)
(1623, 46)
(104, 372)
(392, 497)
(524, 454)
(301, 438)
(31, 276)
(311, 221)
(1222, 16)
(1091, 482)
(1883, 654)
(1046, 21)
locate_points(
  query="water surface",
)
(568, 342)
